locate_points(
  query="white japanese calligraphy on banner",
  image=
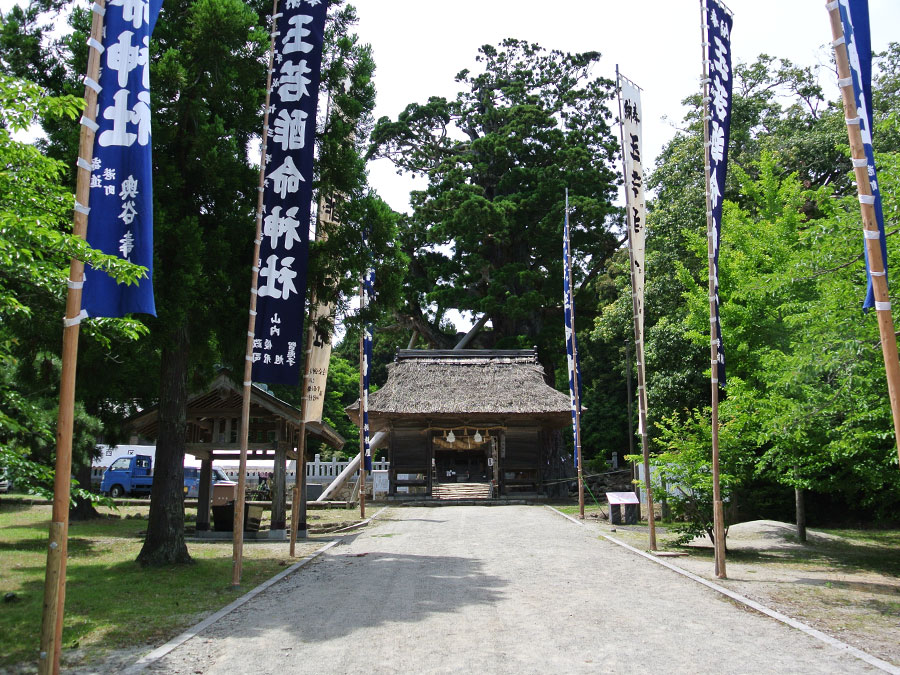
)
(120, 217)
(718, 129)
(287, 191)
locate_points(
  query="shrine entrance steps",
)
(460, 491)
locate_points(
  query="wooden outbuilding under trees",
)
(471, 416)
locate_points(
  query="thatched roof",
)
(466, 382)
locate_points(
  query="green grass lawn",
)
(111, 602)
(572, 509)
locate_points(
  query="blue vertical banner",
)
(718, 121)
(571, 338)
(368, 294)
(855, 19)
(287, 192)
(120, 209)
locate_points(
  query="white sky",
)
(419, 45)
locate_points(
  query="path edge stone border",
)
(179, 640)
(737, 597)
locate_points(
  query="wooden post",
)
(628, 396)
(718, 510)
(298, 504)
(392, 468)
(362, 393)
(298, 501)
(203, 493)
(638, 344)
(495, 456)
(277, 489)
(800, 510)
(870, 222)
(503, 457)
(244, 430)
(429, 462)
(576, 394)
(55, 575)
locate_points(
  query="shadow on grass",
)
(13, 507)
(122, 604)
(843, 555)
(858, 586)
(76, 546)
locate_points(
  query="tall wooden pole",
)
(298, 497)
(362, 394)
(638, 338)
(630, 408)
(238, 535)
(870, 222)
(57, 550)
(574, 347)
(718, 510)
(298, 503)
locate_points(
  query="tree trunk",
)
(164, 544)
(83, 509)
(800, 504)
(279, 511)
(665, 512)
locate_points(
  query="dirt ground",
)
(833, 584)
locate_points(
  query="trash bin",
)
(223, 517)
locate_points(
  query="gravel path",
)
(513, 589)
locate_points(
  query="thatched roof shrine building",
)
(469, 416)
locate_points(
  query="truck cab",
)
(128, 475)
(133, 475)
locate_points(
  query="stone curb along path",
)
(158, 653)
(793, 623)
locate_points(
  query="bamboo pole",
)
(870, 222)
(298, 502)
(576, 394)
(238, 534)
(55, 574)
(298, 496)
(362, 393)
(718, 510)
(634, 473)
(638, 338)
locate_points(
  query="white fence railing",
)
(317, 471)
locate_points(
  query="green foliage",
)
(682, 470)
(486, 233)
(806, 377)
(35, 249)
(343, 390)
(101, 575)
(806, 404)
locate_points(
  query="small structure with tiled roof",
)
(212, 425)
